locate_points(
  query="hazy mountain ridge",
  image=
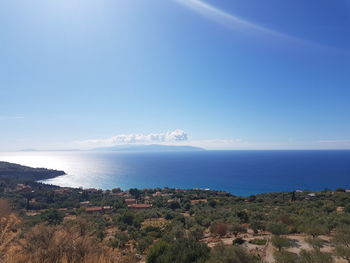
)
(149, 148)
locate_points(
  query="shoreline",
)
(236, 191)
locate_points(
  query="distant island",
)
(129, 148)
(50, 150)
(149, 148)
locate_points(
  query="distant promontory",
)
(21, 173)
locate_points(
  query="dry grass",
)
(71, 243)
(5, 208)
(61, 244)
(9, 224)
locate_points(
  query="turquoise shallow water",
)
(238, 172)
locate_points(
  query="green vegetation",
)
(235, 254)
(15, 172)
(183, 250)
(167, 225)
(259, 242)
(342, 242)
(280, 242)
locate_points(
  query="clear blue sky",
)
(230, 73)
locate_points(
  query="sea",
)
(241, 173)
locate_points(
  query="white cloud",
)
(237, 23)
(227, 18)
(122, 139)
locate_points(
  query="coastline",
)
(241, 173)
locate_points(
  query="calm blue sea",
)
(238, 172)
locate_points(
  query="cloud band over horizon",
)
(177, 135)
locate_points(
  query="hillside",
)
(25, 173)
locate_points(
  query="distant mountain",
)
(50, 150)
(149, 148)
(29, 150)
(129, 148)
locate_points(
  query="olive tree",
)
(342, 242)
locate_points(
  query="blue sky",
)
(229, 74)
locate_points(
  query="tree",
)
(197, 232)
(342, 242)
(293, 197)
(238, 241)
(280, 242)
(222, 254)
(285, 257)
(120, 240)
(182, 250)
(174, 205)
(315, 229)
(277, 229)
(347, 208)
(156, 252)
(340, 190)
(144, 243)
(343, 252)
(52, 216)
(257, 225)
(286, 220)
(116, 190)
(315, 256)
(135, 193)
(243, 216)
(315, 242)
(212, 203)
(127, 218)
(236, 229)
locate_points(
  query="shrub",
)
(52, 216)
(179, 251)
(285, 257)
(315, 256)
(236, 229)
(243, 216)
(233, 254)
(120, 240)
(156, 252)
(315, 229)
(61, 244)
(315, 242)
(259, 242)
(342, 242)
(238, 241)
(7, 234)
(277, 229)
